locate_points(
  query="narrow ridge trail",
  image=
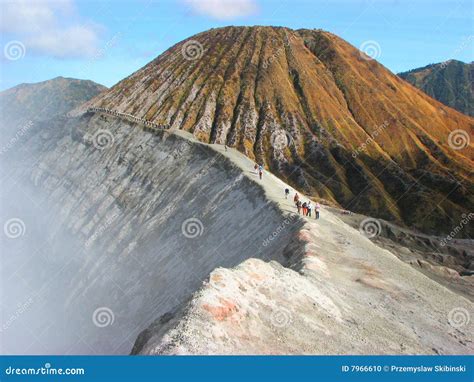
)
(341, 294)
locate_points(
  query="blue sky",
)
(106, 40)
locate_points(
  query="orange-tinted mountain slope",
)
(317, 112)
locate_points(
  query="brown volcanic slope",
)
(253, 85)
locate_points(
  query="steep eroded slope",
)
(319, 114)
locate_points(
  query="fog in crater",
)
(106, 227)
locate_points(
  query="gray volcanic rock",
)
(341, 294)
(150, 216)
(125, 229)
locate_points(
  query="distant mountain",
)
(317, 112)
(450, 82)
(43, 100)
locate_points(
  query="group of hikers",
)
(305, 208)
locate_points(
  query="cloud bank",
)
(223, 9)
(50, 27)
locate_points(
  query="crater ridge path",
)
(342, 294)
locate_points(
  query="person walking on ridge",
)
(296, 198)
(287, 192)
(317, 207)
(298, 206)
(309, 207)
(304, 208)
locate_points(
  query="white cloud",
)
(224, 9)
(50, 27)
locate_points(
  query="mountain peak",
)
(323, 115)
(450, 82)
(36, 101)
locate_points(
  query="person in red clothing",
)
(305, 209)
